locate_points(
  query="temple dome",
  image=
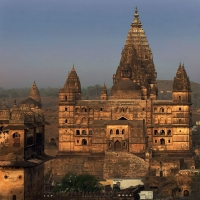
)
(125, 89)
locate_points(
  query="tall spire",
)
(137, 56)
(181, 81)
(34, 93)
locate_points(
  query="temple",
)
(128, 133)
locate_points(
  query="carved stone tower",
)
(104, 95)
(68, 96)
(34, 93)
(181, 86)
(137, 55)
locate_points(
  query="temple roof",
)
(137, 56)
(181, 81)
(34, 93)
(72, 83)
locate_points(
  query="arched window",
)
(84, 132)
(162, 110)
(169, 110)
(123, 131)
(162, 141)
(169, 132)
(65, 98)
(179, 121)
(124, 144)
(162, 132)
(77, 141)
(179, 109)
(155, 109)
(16, 135)
(155, 132)
(66, 109)
(117, 132)
(66, 121)
(90, 132)
(155, 141)
(84, 142)
(77, 110)
(101, 109)
(16, 139)
(117, 145)
(111, 131)
(169, 141)
(156, 120)
(77, 132)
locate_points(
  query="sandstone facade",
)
(130, 122)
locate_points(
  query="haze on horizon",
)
(40, 40)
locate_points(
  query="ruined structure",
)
(22, 148)
(130, 132)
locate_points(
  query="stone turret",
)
(181, 86)
(34, 93)
(104, 94)
(34, 100)
(137, 56)
(72, 88)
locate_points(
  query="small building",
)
(146, 195)
(22, 148)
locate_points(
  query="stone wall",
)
(11, 183)
(124, 165)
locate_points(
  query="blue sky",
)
(41, 39)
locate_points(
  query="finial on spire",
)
(183, 65)
(73, 67)
(136, 10)
(15, 102)
(136, 20)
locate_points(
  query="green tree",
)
(88, 183)
(72, 182)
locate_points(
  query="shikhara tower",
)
(137, 61)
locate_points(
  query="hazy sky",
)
(41, 39)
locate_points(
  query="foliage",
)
(195, 186)
(116, 187)
(72, 182)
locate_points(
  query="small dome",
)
(125, 89)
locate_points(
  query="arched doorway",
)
(186, 193)
(117, 145)
(162, 141)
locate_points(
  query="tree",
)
(88, 183)
(72, 182)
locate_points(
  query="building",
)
(22, 148)
(129, 133)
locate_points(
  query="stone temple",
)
(129, 133)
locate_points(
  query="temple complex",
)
(129, 133)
